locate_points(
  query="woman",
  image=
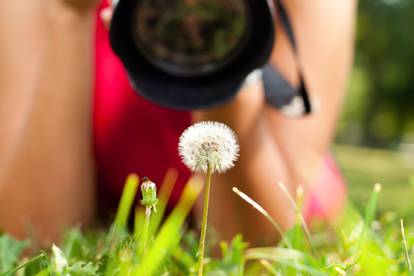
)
(48, 171)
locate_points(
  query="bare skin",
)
(46, 174)
(276, 148)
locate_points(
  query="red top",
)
(131, 135)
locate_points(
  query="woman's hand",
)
(106, 14)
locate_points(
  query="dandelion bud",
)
(208, 144)
(59, 263)
(149, 194)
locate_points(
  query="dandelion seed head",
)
(207, 143)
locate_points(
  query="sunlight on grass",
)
(356, 245)
(365, 241)
(362, 167)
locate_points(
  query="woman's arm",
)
(46, 173)
(275, 148)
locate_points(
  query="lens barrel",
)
(191, 54)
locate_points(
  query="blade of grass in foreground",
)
(139, 221)
(13, 271)
(269, 267)
(274, 254)
(290, 258)
(164, 195)
(262, 211)
(404, 242)
(119, 227)
(300, 225)
(370, 212)
(127, 199)
(169, 234)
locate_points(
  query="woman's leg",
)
(275, 148)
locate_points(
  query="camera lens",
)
(191, 37)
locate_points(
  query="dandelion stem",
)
(201, 246)
(149, 200)
(146, 231)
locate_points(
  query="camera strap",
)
(292, 101)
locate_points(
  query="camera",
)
(194, 54)
(191, 54)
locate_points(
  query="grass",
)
(363, 166)
(367, 240)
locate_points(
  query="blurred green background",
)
(378, 118)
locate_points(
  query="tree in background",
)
(380, 105)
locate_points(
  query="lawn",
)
(363, 167)
(363, 242)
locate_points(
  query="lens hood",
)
(188, 92)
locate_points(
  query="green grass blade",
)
(262, 211)
(127, 199)
(405, 247)
(269, 267)
(370, 211)
(290, 258)
(139, 221)
(163, 197)
(13, 271)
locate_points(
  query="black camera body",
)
(190, 88)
